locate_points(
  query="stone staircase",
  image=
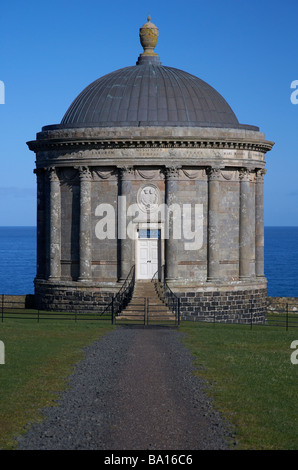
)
(146, 307)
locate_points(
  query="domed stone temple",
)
(151, 172)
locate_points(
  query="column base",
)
(54, 278)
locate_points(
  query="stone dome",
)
(149, 94)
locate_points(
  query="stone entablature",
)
(137, 147)
(227, 144)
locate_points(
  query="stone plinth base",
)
(73, 296)
(242, 303)
(224, 307)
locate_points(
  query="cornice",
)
(103, 144)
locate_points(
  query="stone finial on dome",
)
(148, 38)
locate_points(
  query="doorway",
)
(148, 253)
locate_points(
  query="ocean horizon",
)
(18, 260)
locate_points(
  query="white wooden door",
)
(147, 257)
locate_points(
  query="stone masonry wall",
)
(241, 306)
(67, 299)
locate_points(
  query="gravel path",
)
(134, 390)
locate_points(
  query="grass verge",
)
(39, 357)
(252, 380)
(251, 377)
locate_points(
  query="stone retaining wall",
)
(280, 304)
(17, 301)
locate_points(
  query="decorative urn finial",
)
(148, 38)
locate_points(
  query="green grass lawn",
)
(38, 359)
(252, 380)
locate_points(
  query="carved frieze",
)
(194, 174)
(148, 174)
(104, 173)
(68, 175)
(229, 175)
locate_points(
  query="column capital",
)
(213, 173)
(126, 172)
(85, 173)
(260, 173)
(244, 174)
(52, 174)
(38, 171)
(172, 172)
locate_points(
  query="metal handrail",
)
(123, 296)
(168, 297)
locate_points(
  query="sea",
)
(18, 260)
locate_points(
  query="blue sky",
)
(50, 51)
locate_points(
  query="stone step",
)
(151, 301)
(145, 297)
(144, 292)
(152, 307)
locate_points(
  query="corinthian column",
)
(85, 247)
(213, 266)
(125, 176)
(171, 187)
(260, 223)
(246, 226)
(55, 226)
(41, 227)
